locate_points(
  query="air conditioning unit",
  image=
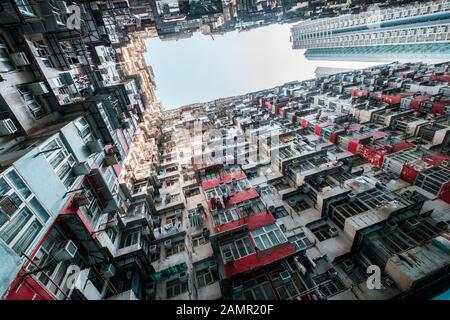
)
(183, 277)
(411, 224)
(95, 146)
(348, 265)
(38, 88)
(110, 271)
(332, 273)
(153, 249)
(7, 126)
(228, 256)
(19, 59)
(7, 206)
(285, 276)
(67, 251)
(237, 286)
(168, 244)
(81, 169)
(178, 213)
(333, 232)
(213, 265)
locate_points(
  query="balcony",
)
(167, 201)
(168, 230)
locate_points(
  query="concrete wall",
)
(9, 266)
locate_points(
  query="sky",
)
(200, 69)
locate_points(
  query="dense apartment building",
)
(72, 102)
(416, 30)
(287, 193)
(295, 192)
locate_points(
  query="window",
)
(225, 216)
(25, 7)
(37, 207)
(57, 82)
(198, 240)
(61, 161)
(112, 234)
(248, 208)
(5, 63)
(27, 237)
(18, 184)
(176, 248)
(321, 232)
(300, 241)
(206, 277)
(239, 248)
(129, 239)
(47, 63)
(268, 237)
(20, 224)
(175, 288)
(328, 285)
(16, 225)
(35, 108)
(84, 130)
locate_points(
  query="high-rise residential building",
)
(415, 31)
(289, 193)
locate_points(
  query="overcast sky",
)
(200, 69)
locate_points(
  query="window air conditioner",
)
(285, 276)
(95, 146)
(7, 127)
(81, 169)
(348, 265)
(333, 232)
(153, 249)
(213, 265)
(228, 256)
(67, 251)
(110, 271)
(237, 286)
(168, 244)
(7, 206)
(19, 59)
(411, 224)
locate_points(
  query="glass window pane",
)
(18, 183)
(15, 225)
(27, 238)
(4, 187)
(41, 212)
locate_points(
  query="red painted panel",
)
(226, 179)
(27, 288)
(254, 221)
(408, 173)
(317, 129)
(242, 196)
(304, 123)
(259, 259)
(439, 107)
(353, 146)
(445, 78)
(444, 194)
